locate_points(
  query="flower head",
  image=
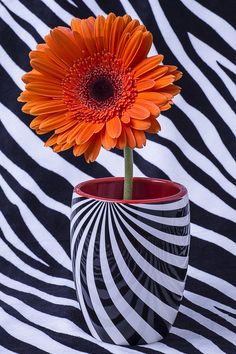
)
(92, 85)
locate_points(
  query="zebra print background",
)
(39, 312)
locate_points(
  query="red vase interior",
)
(144, 189)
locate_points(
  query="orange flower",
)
(93, 86)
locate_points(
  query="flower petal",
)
(93, 150)
(144, 48)
(87, 131)
(171, 89)
(61, 43)
(49, 106)
(74, 132)
(122, 140)
(132, 47)
(164, 81)
(155, 97)
(152, 107)
(88, 36)
(107, 142)
(52, 140)
(155, 74)
(127, 19)
(99, 32)
(36, 122)
(138, 112)
(80, 149)
(107, 29)
(116, 32)
(131, 142)
(148, 64)
(166, 106)
(125, 118)
(114, 127)
(144, 85)
(52, 122)
(50, 90)
(45, 65)
(154, 127)
(68, 125)
(140, 124)
(140, 138)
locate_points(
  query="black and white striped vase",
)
(130, 257)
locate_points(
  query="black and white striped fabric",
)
(39, 312)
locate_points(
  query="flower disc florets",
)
(99, 85)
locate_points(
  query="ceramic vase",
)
(130, 257)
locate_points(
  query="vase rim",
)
(181, 190)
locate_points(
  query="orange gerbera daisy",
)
(93, 85)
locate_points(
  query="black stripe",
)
(162, 292)
(12, 343)
(175, 213)
(163, 266)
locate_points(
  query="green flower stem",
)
(128, 181)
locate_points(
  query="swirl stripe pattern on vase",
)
(120, 274)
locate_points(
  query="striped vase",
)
(130, 257)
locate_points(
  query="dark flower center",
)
(101, 89)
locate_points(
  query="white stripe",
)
(61, 13)
(90, 210)
(161, 348)
(181, 221)
(214, 97)
(45, 157)
(173, 285)
(80, 203)
(213, 58)
(222, 27)
(209, 135)
(213, 237)
(203, 344)
(57, 324)
(6, 351)
(94, 7)
(19, 286)
(77, 273)
(12, 69)
(170, 258)
(168, 206)
(72, 3)
(211, 305)
(170, 132)
(162, 309)
(29, 183)
(209, 324)
(219, 284)
(101, 313)
(19, 31)
(11, 257)
(37, 338)
(131, 316)
(176, 240)
(21, 11)
(46, 240)
(115, 164)
(11, 237)
(198, 193)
